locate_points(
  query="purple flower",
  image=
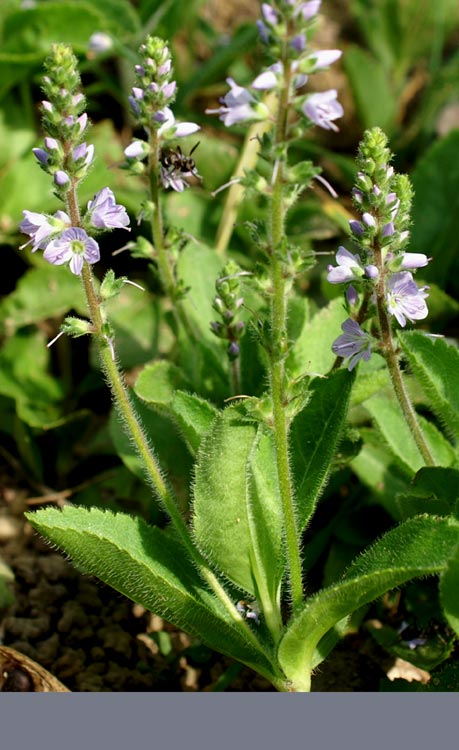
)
(266, 80)
(170, 128)
(41, 227)
(105, 213)
(349, 267)
(100, 42)
(356, 227)
(73, 247)
(239, 105)
(352, 296)
(405, 299)
(414, 260)
(269, 14)
(310, 9)
(324, 58)
(353, 344)
(322, 108)
(298, 42)
(61, 178)
(41, 154)
(175, 179)
(137, 150)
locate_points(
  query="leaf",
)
(421, 546)
(159, 385)
(148, 566)
(46, 292)
(435, 364)
(314, 436)
(158, 382)
(433, 490)
(194, 417)
(399, 438)
(312, 351)
(449, 591)
(435, 213)
(373, 94)
(235, 475)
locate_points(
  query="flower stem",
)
(390, 355)
(278, 354)
(155, 475)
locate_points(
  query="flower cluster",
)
(150, 101)
(64, 236)
(381, 269)
(285, 27)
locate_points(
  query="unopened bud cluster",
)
(227, 303)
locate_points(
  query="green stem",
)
(390, 355)
(165, 494)
(278, 353)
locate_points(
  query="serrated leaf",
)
(148, 566)
(436, 366)
(233, 470)
(311, 352)
(421, 546)
(314, 436)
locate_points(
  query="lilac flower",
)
(73, 247)
(42, 228)
(349, 267)
(137, 150)
(266, 80)
(356, 227)
(41, 154)
(239, 105)
(100, 42)
(352, 296)
(82, 151)
(175, 179)
(309, 9)
(269, 14)
(170, 128)
(322, 108)
(105, 213)
(298, 42)
(405, 299)
(323, 59)
(414, 260)
(353, 344)
(61, 178)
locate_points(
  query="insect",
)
(19, 674)
(249, 610)
(175, 162)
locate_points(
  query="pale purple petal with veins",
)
(405, 299)
(353, 345)
(322, 108)
(349, 267)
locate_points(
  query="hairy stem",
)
(390, 355)
(278, 354)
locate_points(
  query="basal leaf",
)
(314, 436)
(237, 513)
(421, 546)
(150, 567)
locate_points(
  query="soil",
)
(93, 639)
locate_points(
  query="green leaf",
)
(46, 292)
(235, 475)
(162, 435)
(435, 214)
(314, 436)
(194, 417)
(421, 546)
(158, 384)
(148, 566)
(436, 366)
(373, 94)
(24, 361)
(449, 591)
(396, 433)
(375, 467)
(433, 490)
(311, 352)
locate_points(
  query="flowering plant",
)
(266, 397)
